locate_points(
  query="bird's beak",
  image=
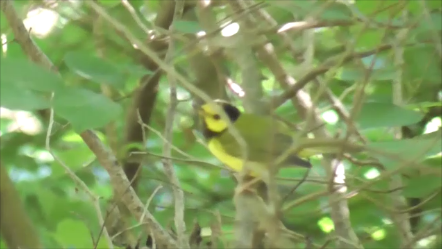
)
(201, 113)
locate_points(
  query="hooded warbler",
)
(265, 137)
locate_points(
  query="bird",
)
(266, 139)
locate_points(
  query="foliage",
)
(99, 71)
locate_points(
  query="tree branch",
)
(339, 209)
(168, 135)
(401, 219)
(145, 96)
(23, 38)
(319, 70)
(15, 226)
(118, 178)
(123, 190)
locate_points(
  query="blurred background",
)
(370, 68)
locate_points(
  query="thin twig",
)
(400, 219)
(135, 16)
(123, 189)
(339, 206)
(146, 206)
(168, 135)
(296, 186)
(95, 199)
(22, 37)
(34, 53)
(321, 69)
(158, 133)
(432, 227)
(170, 71)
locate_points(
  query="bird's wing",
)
(264, 144)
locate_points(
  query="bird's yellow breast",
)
(218, 151)
(232, 162)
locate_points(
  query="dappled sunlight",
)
(41, 21)
(326, 224)
(291, 25)
(330, 117)
(339, 175)
(19, 175)
(434, 125)
(43, 156)
(200, 34)
(230, 30)
(205, 3)
(378, 234)
(72, 137)
(236, 88)
(22, 121)
(372, 173)
(428, 241)
(4, 40)
(171, 165)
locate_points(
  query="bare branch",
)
(36, 55)
(95, 199)
(339, 209)
(401, 219)
(23, 38)
(168, 135)
(120, 183)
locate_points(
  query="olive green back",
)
(266, 139)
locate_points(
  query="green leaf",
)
(187, 27)
(75, 158)
(417, 7)
(421, 64)
(335, 12)
(365, 212)
(378, 114)
(434, 162)
(109, 4)
(95, 69)
(356, 74)
(422, 186)
(73, 234)
(135, 70)
(325, 11)
(27, 75)
(17, 97)
(396, 152)
(368, 39)
(85, 109)
(433, 22)
(367, 8)
(424, 104)
(48, 201)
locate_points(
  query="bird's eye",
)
(216, 117)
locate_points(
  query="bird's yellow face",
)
(212, 119)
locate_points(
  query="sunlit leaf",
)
(357, 74)
(18, 97)
(75, 158)
(395, 153)
(189, 27)
(85, 109)
(95, 69)
(74, 234)
(377, 114)
(27, 75)
(433, 22)
(326, 11)
(421, 64)
(421, 186)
